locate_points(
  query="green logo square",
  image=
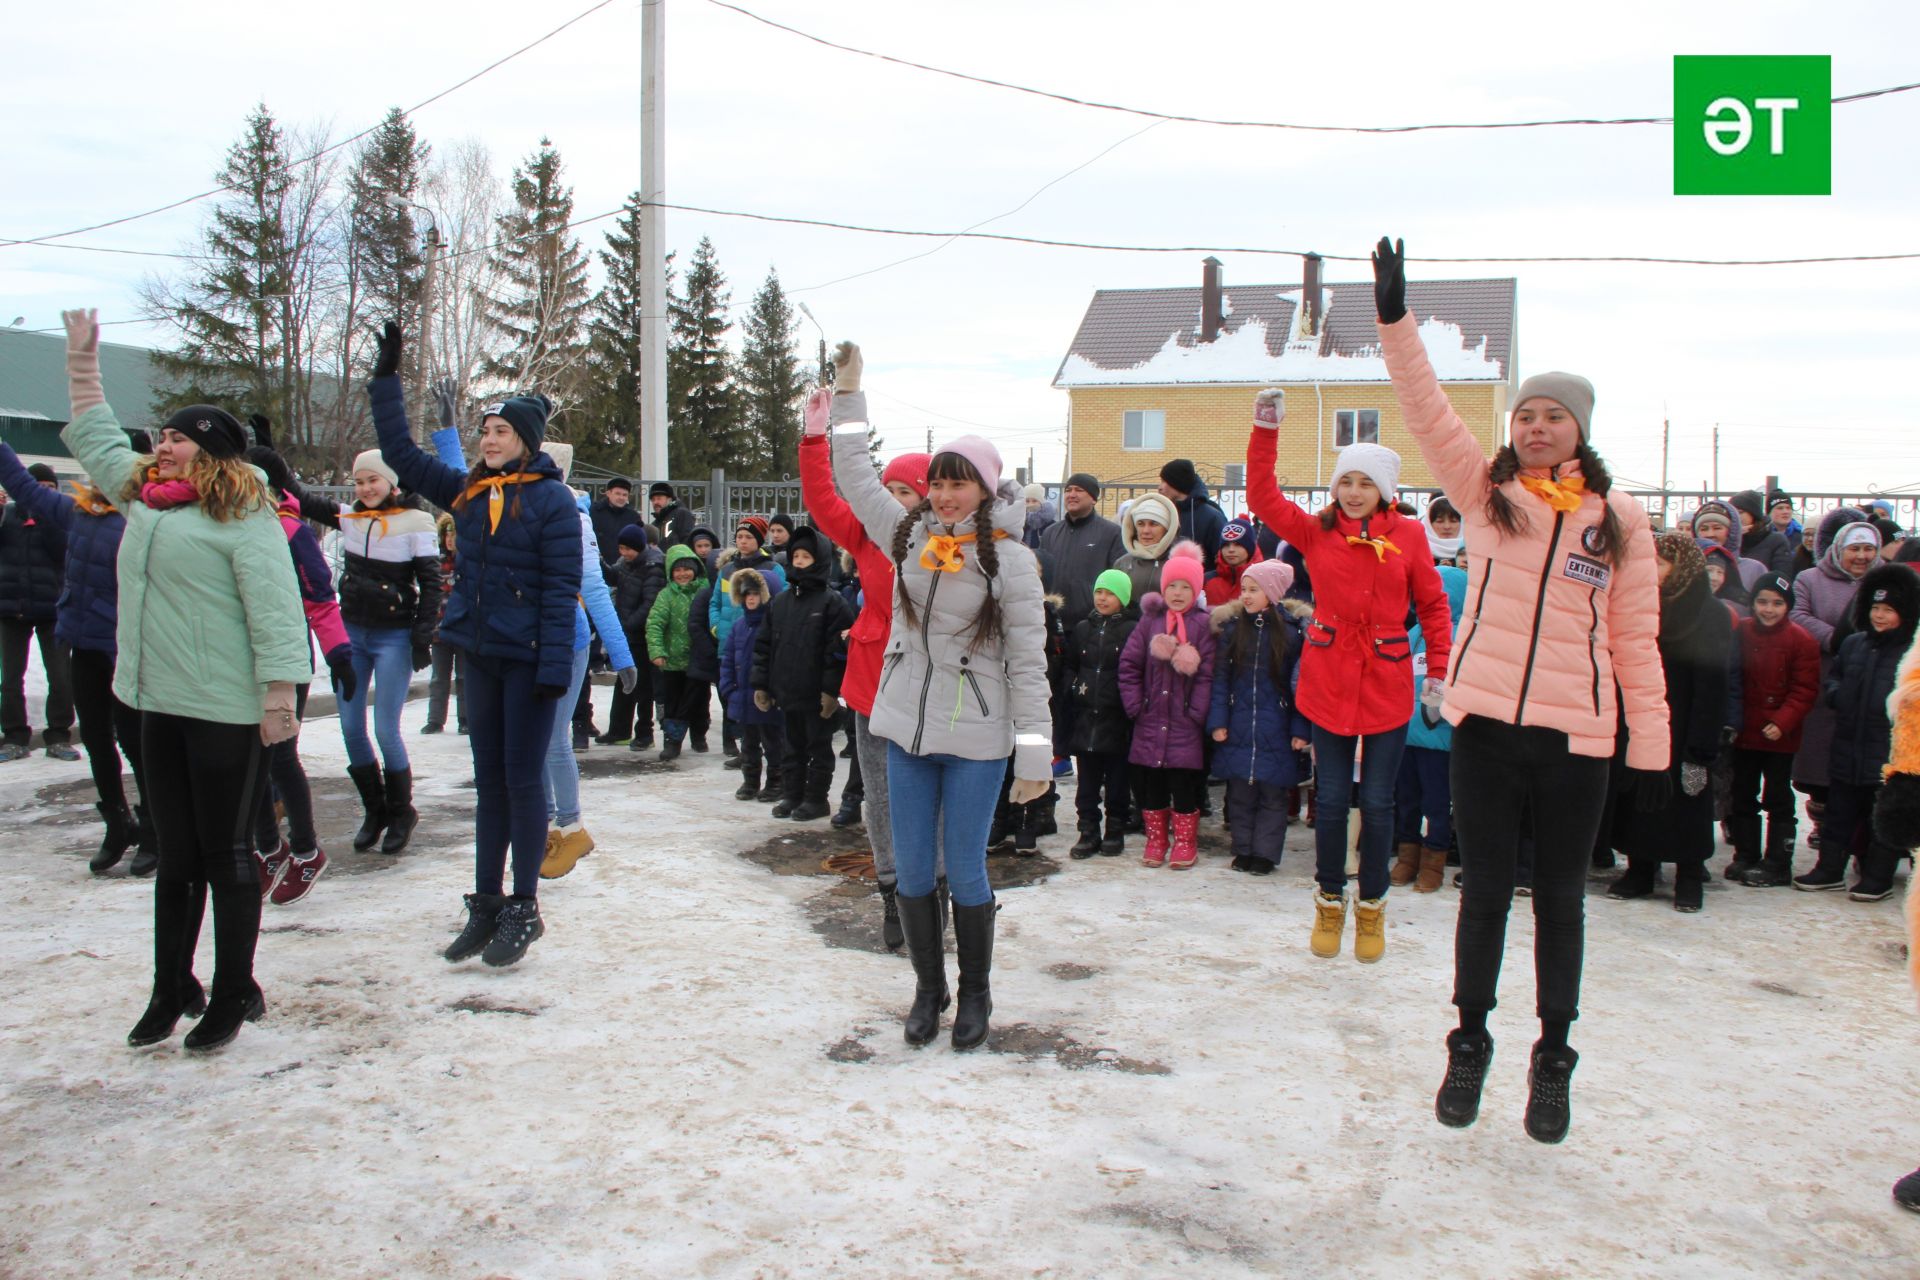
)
(1752, 126)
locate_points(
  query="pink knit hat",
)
(1273, 577)
(979, 451)
(1183, 565)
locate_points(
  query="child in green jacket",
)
(670, 647)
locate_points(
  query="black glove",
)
(1652, 789)
(262, 429)
(387, 363)
(549, 692)
(422, 657)
(1390, 280)
(340, 664)
(443, 397)
(1896, 813)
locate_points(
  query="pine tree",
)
(385, 264)
(772, 386)
(540, 314)
(607, 430)
(702, 408)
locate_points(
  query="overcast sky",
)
(1811, 371)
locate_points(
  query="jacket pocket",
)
(1392, 648)
(979, 696)
(1320, 635)
(891, 665)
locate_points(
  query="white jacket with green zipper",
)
(939, 694)
(210, 611)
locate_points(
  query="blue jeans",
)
(563, 771)
(508, 726)
(941, 802)
(383, 669)
(1333, 778)
(1425, 792)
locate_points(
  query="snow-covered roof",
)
(1142, 337)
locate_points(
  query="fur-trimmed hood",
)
(744, 580)
(1155, 506)
(1299, 610)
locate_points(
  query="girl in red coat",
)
(1369, 565)
(1780, 681)
(1238, 549)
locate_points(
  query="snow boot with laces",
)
(1469, 1054)
(890, 932)
(1369, 929)
(483, 910)
(1329, 923)
(1549, 1093)
(514, 930)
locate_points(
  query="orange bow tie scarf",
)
(1561, 495)
(494, 487)
(1380, 545)
(944, 554)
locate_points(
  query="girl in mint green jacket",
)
(212, 641)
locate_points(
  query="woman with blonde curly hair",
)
(212, 642)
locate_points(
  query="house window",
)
(1144, 429)
(1351, 426)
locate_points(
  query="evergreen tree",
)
(702, 406)
(540, 314)
(385, 266)
(773, 384)
(607, 430)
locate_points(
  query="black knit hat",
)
(1779, 584)
(216, 431)
(619, 482)
(1085, 480)
(635, 536)
(43, 473)
(1749, 501)
(784, 520)
(1779, 498)
(527, 415)
(1180, 475)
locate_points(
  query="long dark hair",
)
(1510, 520)
(951, 466)
(1246, 635)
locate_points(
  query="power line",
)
(304, 160)
(1236, 124)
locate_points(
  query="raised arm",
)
(432, 479)
(49, 506)
(1274, 508)
(845, 414)
(1452, 454)
(94, 436)
(831, 514)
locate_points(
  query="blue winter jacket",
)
(596, 602)
(1260, 717)
(87, 607)
(516, 589)
(1427, 729)
(736, 665)
(721, 610)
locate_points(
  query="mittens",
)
(1270, 408)
(846, 367)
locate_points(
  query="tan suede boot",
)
(1329, 922)
(1433, 871)
(1409, 864)
(1369, 929)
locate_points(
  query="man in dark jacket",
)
(1759, 540)
(33, 556)
(611, 512)
(640, 572)
(672, 523)
(798, 660)
(1083, 545)
(1201, 518)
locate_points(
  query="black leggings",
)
(1183, 789)
(106, 723)
(1500, 772)
(203, 782)
(289, 778)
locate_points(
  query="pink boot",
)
(1186, 840)
(1156, 821)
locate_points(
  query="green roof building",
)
(33, 391)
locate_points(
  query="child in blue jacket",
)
(760, 737)
(1257, 729)
(1424, 789)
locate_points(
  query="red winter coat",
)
(1223, 584)
(833, 517)
(1356, 676)
(1779, 682)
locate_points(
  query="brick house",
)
(1156, 374)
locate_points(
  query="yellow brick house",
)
(1157, 374)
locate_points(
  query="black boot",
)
(749, 783)
(1637, 881)
(402, 817)
(920, 928)
(1689, 886)
(1026, 829)
(146, 853)
(849, 814)
(373, 805)
(174, 926)
(973, 939)
(1745, 831)
(514, 930)
(1001, 832)
(814, 805)
(236, 998)
(890, 918)
(1089, 842)
(1115, 842)
(1550, 1094)
(1776, 868)
(120, 834)
(1469, 1054)
(1049, 825)
(482, 910)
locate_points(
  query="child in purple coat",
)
(1166, 685)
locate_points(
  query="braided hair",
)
(951, 466)
(1611, 539)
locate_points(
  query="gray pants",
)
(872, 753)
(1257, 818)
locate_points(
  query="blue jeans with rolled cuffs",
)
(938, 802)
(383, 671)
(562, 769)
(1333, 778)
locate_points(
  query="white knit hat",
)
(562, 454)
(370, 460)
(1374, 461)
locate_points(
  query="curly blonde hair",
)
(229, 488)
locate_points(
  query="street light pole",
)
(826, 370)
(653, 273)
(423, 349)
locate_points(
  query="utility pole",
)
(1666, 437)
(423, 353)
(653, 276)
(929, 440)
(1716, 457)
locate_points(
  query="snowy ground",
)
(699, 1071)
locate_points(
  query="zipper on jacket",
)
(978, 696)
(1593, 640)
(926, 643)
(1539, 607)
(1453, 664)
(1253, 738)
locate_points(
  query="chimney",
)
(1310, 295)
(1211, 310)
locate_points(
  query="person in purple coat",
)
(1166, 685)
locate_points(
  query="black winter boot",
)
(373, 804)
(1088, 844)
(1776, 868)
(890, 918)
(1049, 825)
(973, 939)
(1469, 1054)
(814, 805)
(1745, 831)
(1549, 1094)
(121, 833)
(749, 787)
(402, 817)
(920, 928)
(175, 924)
(482, 910)
(146, 853)
(849, 814)
(1005, 819)
(1114, 843)
(1689, 886)
(1026, 828)
(1637, 881)
(514, 930)
(236, 997)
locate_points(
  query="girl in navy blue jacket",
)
(511, 611)
(1257, 730)
(759, 731)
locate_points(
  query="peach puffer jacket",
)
(1549, 627)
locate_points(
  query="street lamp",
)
(826, 370)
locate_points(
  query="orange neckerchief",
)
(1380, 545)
(1561, 495)
(378, 515)
(493, 487)
(943, 553)
(91, 500)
